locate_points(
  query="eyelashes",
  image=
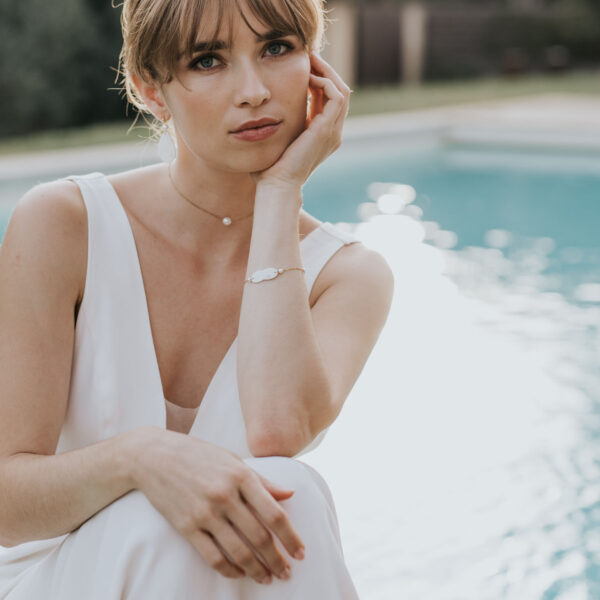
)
(197, 65)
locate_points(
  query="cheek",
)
(294, 89)
(295, 75)
(200, 113)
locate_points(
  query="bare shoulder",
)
(63, 192)
(357, 260)
(359, 270)
(48, 230)
(357, 267)
(53, 203)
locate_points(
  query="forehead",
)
(222, 20)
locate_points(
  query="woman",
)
(144, 454)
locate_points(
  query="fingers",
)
(251, 529)
(213, 555)
(324, 68)
(338, 92)
(238, 551)
(271, 514)
(332, 108)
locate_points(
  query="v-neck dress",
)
(128, 550)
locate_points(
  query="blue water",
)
(495, 387)
(465, 464)
(524, 194)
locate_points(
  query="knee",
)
(311, 508)
(293, 474)
(146, 526)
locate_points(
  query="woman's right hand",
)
(217, 502)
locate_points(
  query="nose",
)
(251, 89)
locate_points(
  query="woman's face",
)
(216, 91)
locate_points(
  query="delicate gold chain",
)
(224, 220)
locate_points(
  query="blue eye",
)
(202, 63)
(282, 44)
(199, 62)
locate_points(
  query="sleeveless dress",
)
(128, 550)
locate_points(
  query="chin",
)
(259, 161)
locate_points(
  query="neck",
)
(221, 193)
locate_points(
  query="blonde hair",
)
(157, 33)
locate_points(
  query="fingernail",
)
(300, 554)
(266, 579)
(286, 573)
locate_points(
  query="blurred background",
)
(57, 61)
(465, 464)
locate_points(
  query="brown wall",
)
(455, 42)
(378, 43)
(471, 40)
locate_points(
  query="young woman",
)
(171, 337)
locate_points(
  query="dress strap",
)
(90, 187)
(319, 246)
(110, 250)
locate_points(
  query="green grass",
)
(371, 100)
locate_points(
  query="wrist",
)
(282, 194)
(134, 452)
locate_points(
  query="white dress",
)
(128, 550)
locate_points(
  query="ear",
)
(152, 96)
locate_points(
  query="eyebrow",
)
(273, 34)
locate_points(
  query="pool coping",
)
(546, 121)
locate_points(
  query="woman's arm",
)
(280, 369)
(42, 274)
(47, 496)
(296, 365)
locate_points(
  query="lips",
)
(256, 124)
(256, 134)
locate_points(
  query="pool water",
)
(474, 191)
(474, 426)
(465, 464)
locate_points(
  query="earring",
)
(166, 147)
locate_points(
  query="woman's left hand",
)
(323, 133)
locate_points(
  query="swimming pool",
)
(465, 464)
(481, 401)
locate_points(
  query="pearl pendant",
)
(226, 221)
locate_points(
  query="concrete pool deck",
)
(565, 121)
(542, 120)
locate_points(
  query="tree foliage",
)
(55, 64)
(58, 59)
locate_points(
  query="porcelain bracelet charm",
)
(269, 273)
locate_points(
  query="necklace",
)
(225, 220)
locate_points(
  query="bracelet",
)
(269, 273)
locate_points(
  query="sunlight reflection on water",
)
(471, 432)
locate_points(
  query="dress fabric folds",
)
(128, 550)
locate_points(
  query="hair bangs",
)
(157, 34)
(290, 17)
(195, 23)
